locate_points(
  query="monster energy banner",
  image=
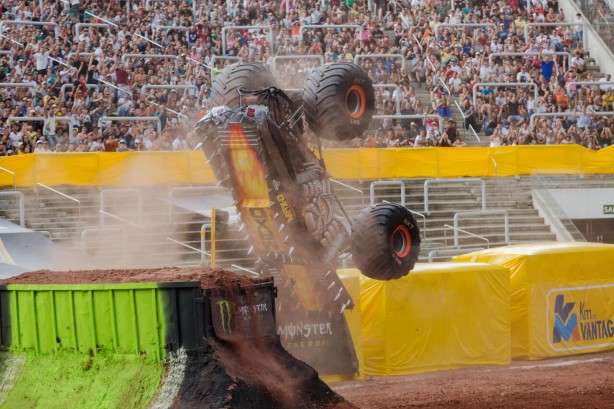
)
(244, 316)
(320, 338)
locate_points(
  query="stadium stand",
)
(102, 64)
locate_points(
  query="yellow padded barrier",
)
(562, 296)
(188, 167)
(439, 316)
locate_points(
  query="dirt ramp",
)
(255, 374)
(237, 362)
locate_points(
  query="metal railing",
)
(423, 217)
(150, 41)
(130, 119)
(102, 19)
(202, 252)
(464, 25)
(425, 117)
(550, 208)
(145, 87)
(130, 191)
(494, 163)
(176, 28)
(30, 23)
(121, 219)
(445, 86)
(506, 225)
(503, 84)
(328, 27)
(477, 137)
(61, 194)
(563, 115)
(173, 57)
(574, 83)
(223, 200)
(16, 85)
(362, 195)
(42, 118)
(70, 86)
(492, 56)
(79, 25)
(275, 59)
(398, 96)
(395, 56)
(528, 26)
(430, 182)
(12, 174)
(269, 29)
(456, 230)
(452, 252)
(115, 87)
(378, 183)
(431, 64)
(418, 42)
(12, 41)
(22, 209)
(460, 110)
(86, 233)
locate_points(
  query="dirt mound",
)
(207, 277)
(228, 373)
(255, 375)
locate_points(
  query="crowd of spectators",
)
(77, 82)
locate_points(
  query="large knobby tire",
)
(225, 88)
(338, 101)
(385, 241)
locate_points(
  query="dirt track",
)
(585, 381)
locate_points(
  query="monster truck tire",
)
(385, 241)
(338, 101)
(224, 90)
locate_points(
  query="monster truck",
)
(263, 144)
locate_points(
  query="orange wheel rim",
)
(355, 101)
(401, 241)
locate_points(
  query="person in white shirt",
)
(41, 146)
(97, 145)
(15, 136)
(20, 67)
(578, 28)
(578, 64)
(42, 61)
(606, 87)
(523, 75)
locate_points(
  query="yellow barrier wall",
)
(562, 296)
(440, 316)
(188, 167)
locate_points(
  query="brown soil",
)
(585, 381)
(208, 278)
(241, 375)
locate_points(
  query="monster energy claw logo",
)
(225, 316)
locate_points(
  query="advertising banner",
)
(562, 296)
(570, 320)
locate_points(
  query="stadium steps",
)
(149, 245)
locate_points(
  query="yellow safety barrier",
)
(188, 167)
(562, 296)
(439, 316)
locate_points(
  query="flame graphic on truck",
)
(247, 169)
